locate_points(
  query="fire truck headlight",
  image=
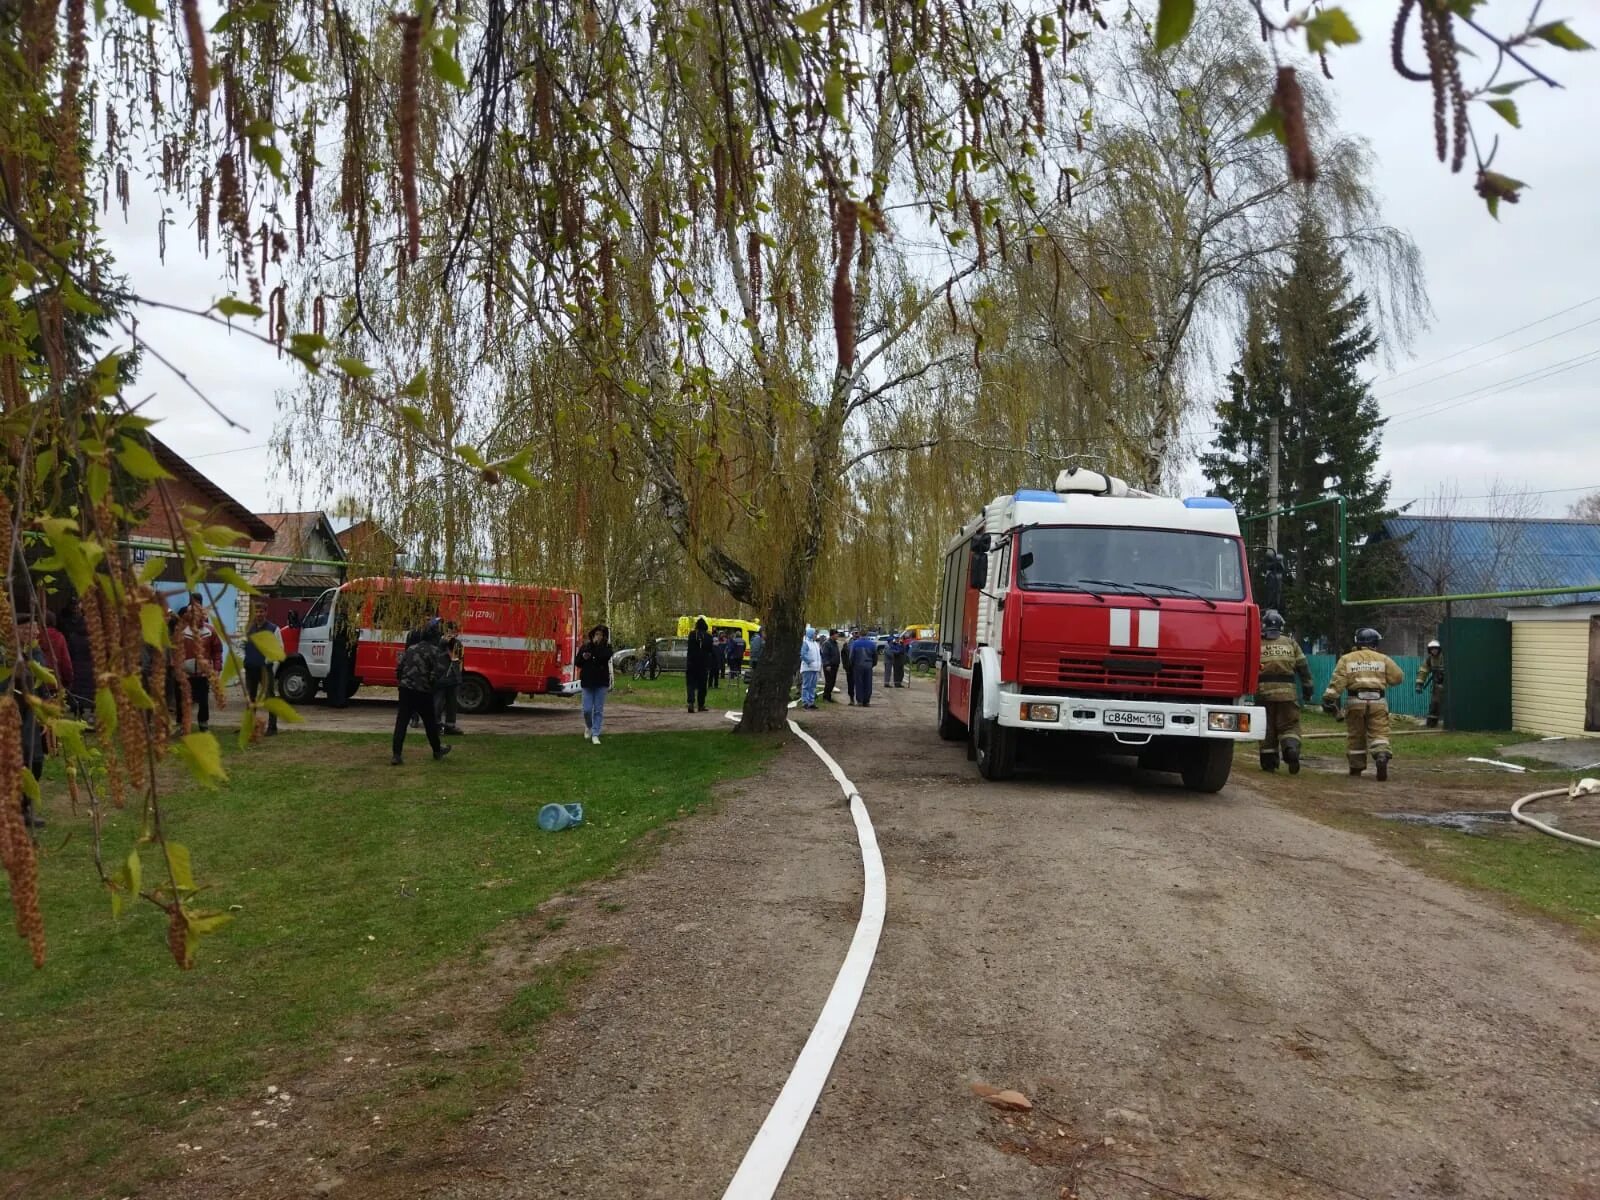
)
(1041, 712)
(1227, 722)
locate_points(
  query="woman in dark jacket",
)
(76, 630)
(594, 677)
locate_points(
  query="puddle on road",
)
(1467, 821)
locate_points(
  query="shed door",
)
(1592, 717)
(1550, 676)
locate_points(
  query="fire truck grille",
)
(1126, 675)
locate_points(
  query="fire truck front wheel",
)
(295, 683)
(474, 695)
(994, 745)
(1206, 765)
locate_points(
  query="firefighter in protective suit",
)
(1432, 671)
(1283, 664)
(1367, 674)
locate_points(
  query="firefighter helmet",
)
(1368, 637)
(1433, 643)
(1271, 623)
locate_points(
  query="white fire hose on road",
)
(1585, 787)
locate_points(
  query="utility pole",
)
(1272, 483)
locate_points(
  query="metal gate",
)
(1477, 663)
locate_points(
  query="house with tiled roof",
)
(302, 559)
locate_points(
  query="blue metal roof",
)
(1493, 554)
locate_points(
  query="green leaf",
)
(268, 155)
(1271, 122)
(1505, 89)
(153, 625)
(203, 923)
(137, 461)
(98, 479)
(268, 643)
(152, 567)
(30, 787)
(70, 734)
(418, 385)
(105, 713)
(204, 756)
(178, 864)
(470, 456)
(233, 579)
(446, 67)
(353, 367)
(133, 872)
(143, 8)
(230, 306)
(414, 417)
(1508, 110)
(812, 19)
(1331, 27)
(1558, 34)
(282, 709)
(1173, 19)
(133, 689)
(833, 95)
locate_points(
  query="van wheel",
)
(1206, 766)
(503, 700)
(474, 695)
(295, 683)
(950, 729)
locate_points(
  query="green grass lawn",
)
(348, 880)
(667, 691)
(1422, 743)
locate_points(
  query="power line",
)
(1492, 358)
(1587, 487)
(1472, 396)
(1486, 342)
(262, 446)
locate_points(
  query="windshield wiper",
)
(1063, 587)
(1132, 587)
(1183, 591)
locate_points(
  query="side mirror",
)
(1025, 561)
(978, 569)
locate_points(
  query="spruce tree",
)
(1306, 341)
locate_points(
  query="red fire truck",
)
(514, 638)
(1101, 613)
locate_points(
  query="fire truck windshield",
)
(1056, 558)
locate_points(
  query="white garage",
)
(1555, 669)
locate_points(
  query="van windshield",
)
(1206, 565)
(320, 611)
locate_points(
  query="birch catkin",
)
(844, 299)
(410, 47)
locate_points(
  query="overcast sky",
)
(1464, 411)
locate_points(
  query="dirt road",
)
(1204, 996)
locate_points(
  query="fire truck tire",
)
(993, 745)
(503, 700)
(950, 729)
(1207, 765)
(474, 695)
(295, 683)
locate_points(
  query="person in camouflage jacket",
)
(1283, 665)
(1367, 674)
(421, 669)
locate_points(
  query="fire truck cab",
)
(1100, 613)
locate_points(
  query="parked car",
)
(925, 654)
(672, 654)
